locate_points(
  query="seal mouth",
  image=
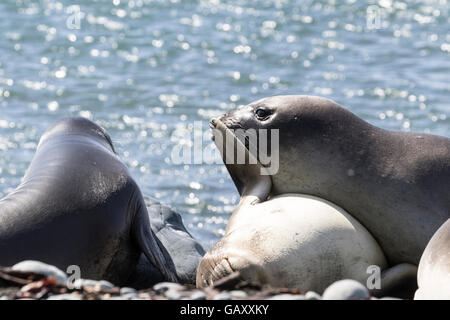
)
(211, 270)
(218, 265)
(217, 124)
(213, 125)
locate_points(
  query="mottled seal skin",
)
(434, 268)
(396, 184)
(185, 251)
(78, 205)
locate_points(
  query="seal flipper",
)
(185, 251)
(399, 281)
(150, 245)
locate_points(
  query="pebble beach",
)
(33, 280)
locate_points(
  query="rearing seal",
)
(395, 183)
(293, 240)
(78, 205)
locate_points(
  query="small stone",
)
(97, 285)
(126, 290)
(164, 286)
(4, 298)
(172, 294)
(346, 290)
(224, 295)
(287, 296)
(80, 283)
(41, 268)
(311, 295)
(105, 285)
(238, 294)
(66, 296)
(389, 298)
(196, 295)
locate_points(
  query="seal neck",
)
(251, 178)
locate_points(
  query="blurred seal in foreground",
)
(78, 205)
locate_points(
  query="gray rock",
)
(4, 298)
(102, 285)
(130, 296)
(389, 298)
(196, 295)
(126, 290)
(66, 296)
(346, 290)
(224, 295)
(286, 296)
(105, 285)
(172, 294)
(311, 295)
(41, 268)
(238, 294)
(165, 286)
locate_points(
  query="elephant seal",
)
(290, 240)
(78, 205)
(434, 267)
(396, 184)
(293, 241)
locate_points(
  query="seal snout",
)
(213, 123)
(224, 259)
(211, 269)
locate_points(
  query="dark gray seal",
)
(78, 205)
(395, 183)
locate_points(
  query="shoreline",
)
(47, 285)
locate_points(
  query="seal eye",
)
(261, 113)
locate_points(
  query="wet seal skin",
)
(394, 183)
(291, 240)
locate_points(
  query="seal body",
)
(434, 268)
(396, 184)
(293, 241)
(78, 205)
(184, 250)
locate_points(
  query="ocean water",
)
(153, 72)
